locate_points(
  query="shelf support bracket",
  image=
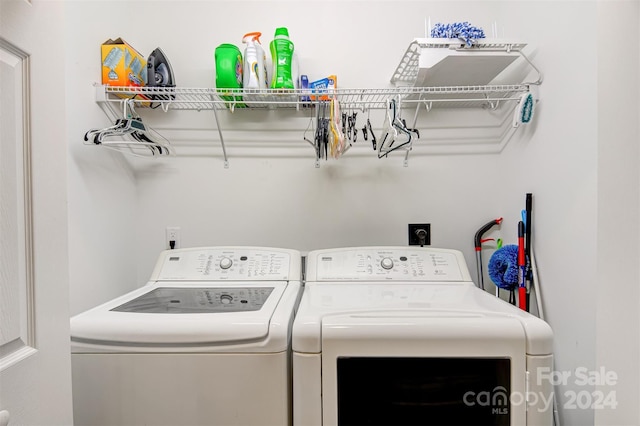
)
(405, 163)
(539, 80)
(224, 150)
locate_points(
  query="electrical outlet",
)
(173, 235)
(419, 234)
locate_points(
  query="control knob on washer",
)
(387, 263)
(225, 263)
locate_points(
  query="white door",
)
(35, 372)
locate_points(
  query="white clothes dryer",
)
(205, 342)
(402, 336)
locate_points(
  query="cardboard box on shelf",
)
(326, 85)
(122, 65)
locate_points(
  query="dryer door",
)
(414, 368)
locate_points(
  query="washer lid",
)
(195, 313)
(196, 300)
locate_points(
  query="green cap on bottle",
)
(282, 32)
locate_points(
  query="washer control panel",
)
(379, 263)
(230, 264)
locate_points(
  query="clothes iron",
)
(159, 71)
(160, 74)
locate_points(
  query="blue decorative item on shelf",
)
(462, 30)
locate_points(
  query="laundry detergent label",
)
(239, 70)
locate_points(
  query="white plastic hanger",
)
(131, 126)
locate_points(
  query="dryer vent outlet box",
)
(419, 234)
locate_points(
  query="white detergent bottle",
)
(254, 74)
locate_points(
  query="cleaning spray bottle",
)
(282, 58)
(254, 74)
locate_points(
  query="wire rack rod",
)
(181, 98)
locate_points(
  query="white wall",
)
(102, 186)
(273, 195)
(618, 210)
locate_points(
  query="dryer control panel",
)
(228, 264)
(387, 264)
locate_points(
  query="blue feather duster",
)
(462, 30)
(503, 267)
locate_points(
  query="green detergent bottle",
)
(229, 72)
(282, 59)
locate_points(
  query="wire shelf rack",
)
(111, 98)
(181, 98)
(433, 73)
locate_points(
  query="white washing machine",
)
(402, 336)
(205, 342)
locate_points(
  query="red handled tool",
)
(477, 242)
(522, 266)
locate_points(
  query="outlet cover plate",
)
(414, 240)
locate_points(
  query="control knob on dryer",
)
(387, 263)
(225, 263)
